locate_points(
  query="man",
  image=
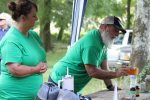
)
(90, 53)
(5, 24)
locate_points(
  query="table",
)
(108, 95)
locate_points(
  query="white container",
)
(133, 81)
(67, 81)
(147, 82)
(142, 86)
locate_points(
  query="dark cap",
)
(115, 21)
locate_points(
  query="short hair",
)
(101, 25)
(20, 7)
(8, 19)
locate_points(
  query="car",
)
(124, 55)
(117, 53)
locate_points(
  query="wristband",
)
(109, 86)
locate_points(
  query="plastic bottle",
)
(133, 81)
(142, 87)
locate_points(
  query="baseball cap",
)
(115, 21)
(2, 16)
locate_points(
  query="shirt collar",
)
(5, 29)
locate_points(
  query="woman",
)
(5, 24)
(23, 55)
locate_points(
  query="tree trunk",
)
(47, 37)
(128, 14)
(41, 35)
(60, 34)
(141, 39)
(45, 26)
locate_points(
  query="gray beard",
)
(106, 38)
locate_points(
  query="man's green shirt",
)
(88, 50)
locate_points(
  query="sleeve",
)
(90, 55)
(11, 53)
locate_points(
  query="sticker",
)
(148, 84)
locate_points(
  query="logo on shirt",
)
(104, 49)
(40, 46)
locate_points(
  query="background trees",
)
(140, 55)
(59, 13)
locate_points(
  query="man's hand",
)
(122, 71)
(112, 88)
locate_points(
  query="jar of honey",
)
(133, 71)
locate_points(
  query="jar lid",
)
(131, 92)
(132, 89)
(133, 76)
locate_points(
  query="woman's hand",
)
(43, 67)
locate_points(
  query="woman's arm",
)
(18, 70)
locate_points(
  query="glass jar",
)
(130, 95)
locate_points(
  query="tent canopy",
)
(78, 11)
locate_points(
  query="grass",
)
(93, 86)
(53, 57)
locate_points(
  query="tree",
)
(44, 15)
(128, 14)
(62, 14)
(141, 39)
(128, 8)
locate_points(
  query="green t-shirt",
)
(17, 48)
(88, 50)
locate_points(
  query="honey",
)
(132, 71)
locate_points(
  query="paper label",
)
(148, 84)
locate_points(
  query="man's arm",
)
(104, 72)
(108, 82)
(95, 72)
(104, 66)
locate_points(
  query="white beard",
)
(106, 38)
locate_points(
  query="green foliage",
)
(96, 10)
(62, 13)
(143, 73)
(132, 12)
(3, 6)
